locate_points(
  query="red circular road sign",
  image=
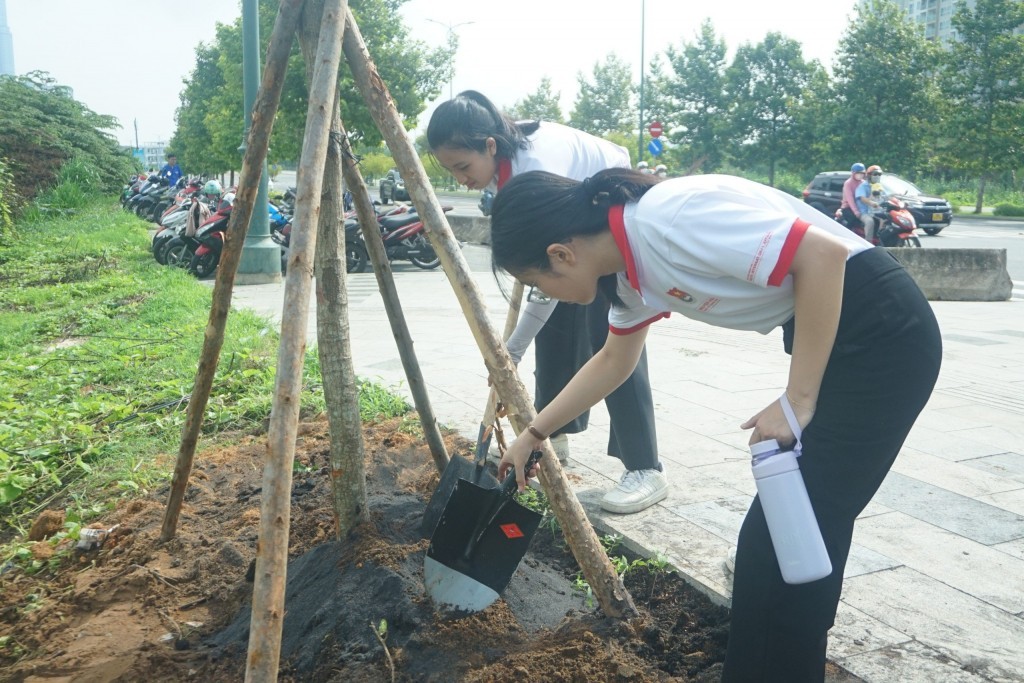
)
(655, 129)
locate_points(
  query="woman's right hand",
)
(515, 457)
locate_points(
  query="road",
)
(964, 233)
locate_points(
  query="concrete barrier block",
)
(472, 229)
(958, 274)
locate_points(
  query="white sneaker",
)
(637, 490)
(730, 561)
(561, 445)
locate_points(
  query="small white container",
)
(787, 509)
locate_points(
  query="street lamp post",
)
(261, 256)
(451, 46)
(640, 133)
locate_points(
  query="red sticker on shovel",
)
(512, 531)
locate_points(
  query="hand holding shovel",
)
(518, 455)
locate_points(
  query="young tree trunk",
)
(275, 511)
(597, 569)
(341, 393)
(392, 303)
(263, 111)
(981, 194)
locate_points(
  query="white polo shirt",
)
(563, 151)
(714, 248)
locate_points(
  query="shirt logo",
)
(685, 297)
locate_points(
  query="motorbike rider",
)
(661, 171)
(171, 171)
(643, 167)
(868, 201)
(848, 207)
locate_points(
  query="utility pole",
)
(451, 46)
(261, 256)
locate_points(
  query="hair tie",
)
(587, 186)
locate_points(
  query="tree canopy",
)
(210, 118)
(43, 127)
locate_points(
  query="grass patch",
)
(98, 351)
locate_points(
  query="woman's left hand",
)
(771, 423)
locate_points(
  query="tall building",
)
(6, 43)
(936, 16)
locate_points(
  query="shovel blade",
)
(471, 582)
(457, 468)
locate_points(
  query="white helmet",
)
(642, 165)
(660, 167)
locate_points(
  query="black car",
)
(932, 214)
(392, 188)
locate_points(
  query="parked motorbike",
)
(896, 226)
(404, 239)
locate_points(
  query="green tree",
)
(815, 124)
(211, 118)
(605, 105)
(541, 105)
(884, 84)
(43, 128)
(694, 102)
(765, 83)
(982, 77)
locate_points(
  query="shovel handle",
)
(507, 489)
(510, 486)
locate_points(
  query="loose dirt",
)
(139, 610)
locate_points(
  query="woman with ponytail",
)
(483, 148)
(732, 253)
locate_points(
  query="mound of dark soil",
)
(140, 610)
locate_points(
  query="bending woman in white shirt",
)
(736, 254)
(483, 148)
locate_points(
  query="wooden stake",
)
(586, 547)
(263, 111)
(392, 304)
(275, 501)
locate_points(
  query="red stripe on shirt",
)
(796, 234)
(504, 172)
(617, 224)
(639, 326)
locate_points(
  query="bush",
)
(9, 200)
(1009, 210)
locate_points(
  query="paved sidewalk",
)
(934, 587)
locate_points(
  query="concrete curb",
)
(958, 274)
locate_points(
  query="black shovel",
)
(459, 469)
(479, 541)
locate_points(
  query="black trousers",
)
(881, 372)
(567, 341)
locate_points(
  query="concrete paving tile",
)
(908, 662)
(855, 633)
(734, 473)
(1014, 548)
(973, 568)
(1010, 500)
(864, 560)
(692, 486)
(1009, 465)
(956, 625)
(950, 419)
(693, 416)
(958, 477)
(721, 517)
(692, 449)
(697, 553)
(948, 446)
(950, 511)
(874, 508)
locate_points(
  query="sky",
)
(128, 58)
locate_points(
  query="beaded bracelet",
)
(533, 430)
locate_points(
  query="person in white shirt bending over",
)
(733, 253)
(483, 148)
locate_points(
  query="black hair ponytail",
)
(537, 209)
(467, 120)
